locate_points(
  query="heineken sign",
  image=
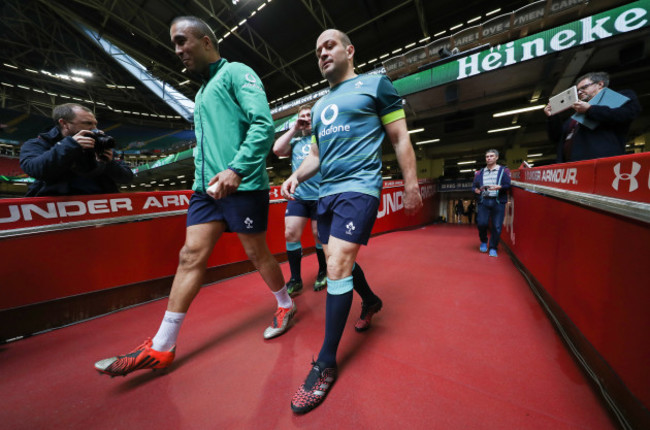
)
(621, 20)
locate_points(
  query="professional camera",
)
(102, 141)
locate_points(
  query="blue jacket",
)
(62, 168)
(503, 180)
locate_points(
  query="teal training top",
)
(348, 126)
(233, 126)
(300, 147)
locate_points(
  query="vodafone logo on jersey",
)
(335, 113)
(327, 117)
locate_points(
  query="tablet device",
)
(563, 101)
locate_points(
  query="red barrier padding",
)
(111, 251)
(626, 177)
(592, 263)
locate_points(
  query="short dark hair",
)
(595, 77)
(493, 151)
(199, 28)
(67, 112)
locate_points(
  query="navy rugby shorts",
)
(347, 216)
(302, 208)
(243, 211)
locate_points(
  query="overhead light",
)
(496, 130)
(456, 26)
(474, 19)
(539, 154)
(417, 130)
(269, 168)
(410, 45)
(11, 66)
(466, 162)
(184, 83)
(424, 40)
(284, 156)
(180, 176)
(440, 33)
(386, 177)
(79, 72)
(424, 142)
(372, 61)
(516, 111)
(493, 12)
(383, 56)
(467, 170)
(397, 50)
(31, 71)
(261, 6)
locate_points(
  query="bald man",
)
(348, 127)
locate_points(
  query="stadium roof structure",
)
(43, 40)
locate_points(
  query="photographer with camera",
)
(73, 157)
(491, 184)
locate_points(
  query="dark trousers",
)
(490, 215)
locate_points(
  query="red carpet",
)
(460, 344)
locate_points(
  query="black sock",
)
(361, 285)
(336, 315)
(294, 263)
(322, 263)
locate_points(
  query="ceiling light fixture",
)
(539, 154)
(424, 142)
(497, 130)
(493, 12)
(417, 130)
(516, 111)
(84, 73)
(466, 162)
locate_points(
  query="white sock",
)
(165, 339)
(284, 301)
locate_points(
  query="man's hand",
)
(412, 200)
(223, 184)
(84, 140)
(302, 124)
(106, 156)
(580, 106)
(289, 187)
(547, 110)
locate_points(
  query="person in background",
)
(297, 142)
(491, 183)
(73, 157)
(578, 142)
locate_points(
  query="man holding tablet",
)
(601, 123)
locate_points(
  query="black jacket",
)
(606, 140)
(62, 168)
